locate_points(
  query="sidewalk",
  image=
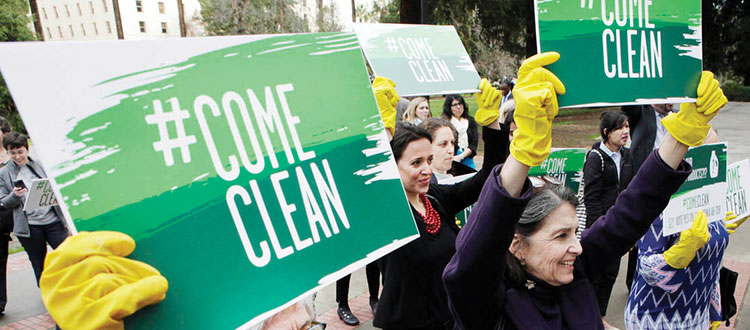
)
(25, 309)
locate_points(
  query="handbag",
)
(727, 284)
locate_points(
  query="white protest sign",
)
(738, 183)
(40, 195)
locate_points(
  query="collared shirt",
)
(661, 131)
(615, 155)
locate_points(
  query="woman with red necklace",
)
(413, 296)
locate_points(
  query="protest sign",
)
(616, 52)
(420, 59)
(564, 164)
(738, 183)
(250, 170)
(40, 195)
(705, 189)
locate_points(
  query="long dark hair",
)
(405, 134)
(611, 120)
(542, 203)
(447, 113)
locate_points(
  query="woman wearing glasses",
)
(456, 112)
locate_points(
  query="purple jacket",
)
(478, 295)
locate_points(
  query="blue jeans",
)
(36, 244)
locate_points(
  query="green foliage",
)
(326, 18)
(231, 17)
(736, 92)
(383, 11)
(13, 27)
(726, 47)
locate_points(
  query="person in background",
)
(607, 172)
(6, 227)
(417, 111)
(506, 87)
(342, 294)
(36, 228)
(456, 112)
(444, 137)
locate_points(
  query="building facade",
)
(108, 19)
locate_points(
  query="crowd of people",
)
(517, 263)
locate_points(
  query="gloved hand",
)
(488, 99)
(536, 107)
(88, 284)
(387, 98)
(715, 325)
(732, 227)
(690, 125)
(691, 240)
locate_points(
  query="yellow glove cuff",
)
(530, 151)
(687, 134)
(485, 117)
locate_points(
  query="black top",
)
(413, 295)
(601, 188)
(642, 130)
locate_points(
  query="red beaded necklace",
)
(432, 218)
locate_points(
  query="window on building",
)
(72, 33)
(161, 7)
(56, 14)
(142, 25)
(139, 6)
(59, 31)
(44, 11)
(109, 27)
(91, 4)
(67, 10)
(80, 12)
(83, 29)
(104, 4)
(49, 33)
(163, 27)
(96, 29)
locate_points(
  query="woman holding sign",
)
(541, 281)
(34, 228)
(676, 282)
(413, 295)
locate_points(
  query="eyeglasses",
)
(314, 325)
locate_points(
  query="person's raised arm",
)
(474, 277)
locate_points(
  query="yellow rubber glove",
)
(88, 284)
(387, 98)
(732, 227)
(715, 325)
(536, 107)
(488, 99)
(690, 125)
(691, 240)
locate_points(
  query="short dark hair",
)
(431, 125)
(4, 125)
(15, 140)
(405, 134)
(611, 120)
(447, 113)
(508, 82)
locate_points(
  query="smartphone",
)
(19, 184)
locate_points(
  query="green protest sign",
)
(705, 189)
(623, 52)
(564, 164)
(250, 170)
(420, 59)
(738, 183)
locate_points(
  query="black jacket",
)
(642, 130)
(601, 188)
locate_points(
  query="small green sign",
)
(623, 52)
(705, 189)
(564, 164)
(250, 170)
(420, 59)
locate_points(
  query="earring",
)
(522, 261)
